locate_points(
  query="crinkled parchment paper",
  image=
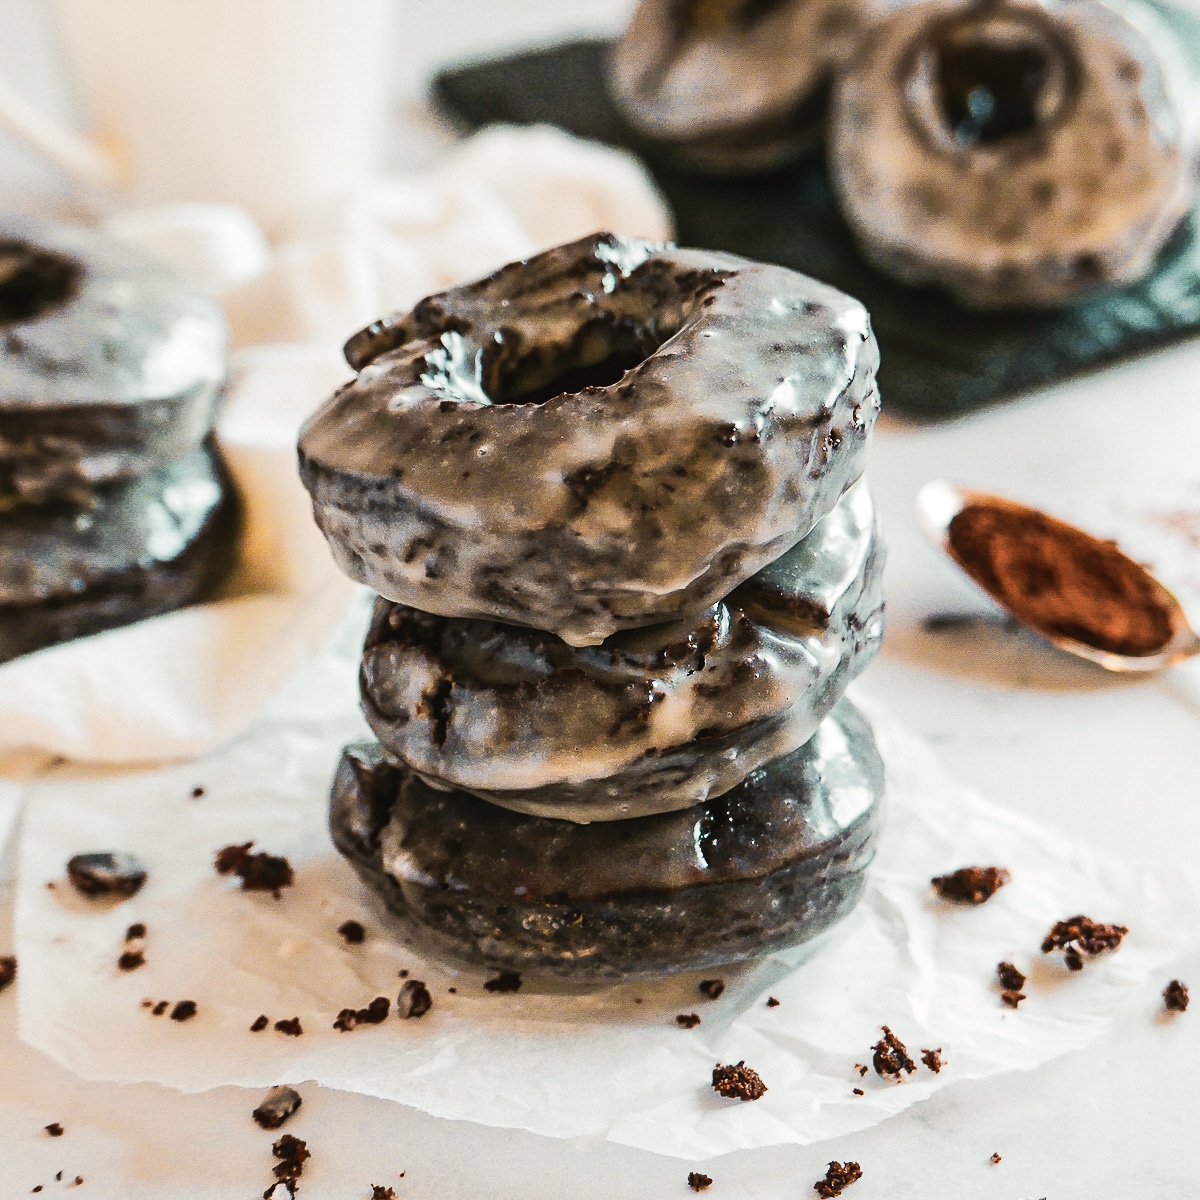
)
(600, 1065)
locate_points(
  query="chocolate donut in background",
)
(649, 721)
(732, 85)
(132, 549)
(111, 364)
(773, 862)
(611, 435)
(1016, 152)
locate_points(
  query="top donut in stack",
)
(112, 505)
(610, 501)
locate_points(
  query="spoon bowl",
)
(939, 503)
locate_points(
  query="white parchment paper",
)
(576, 1066)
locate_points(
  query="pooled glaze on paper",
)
(742, 415)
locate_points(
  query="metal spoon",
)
(938, 503)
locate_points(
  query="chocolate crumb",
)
(712, 988)
(1077, 936)
(277, 1105)
(38, 1188)
(971, 885)
(933, 1060)
(160, 1008)
(837, 1177)
(890, 1057)
(1175, 996)
(379, 1192)
(1011, 998)
(54, 1129)
(506, 981)
(859, 1092)
(403, 972)
(76, 1181)
(135, 931)
(772, 1002)
(259, 872)
(861, 1069)
(291, 1027)
(131, 960)
(106, 874)
(58, 1177)
(452, 991)
(8, 970)
(293, 1154)
(260, 1023)
(994, 1159)
(414, 1000)
(687, 1020)
(374, 1014)
(1009, 978)
(197, 793)
(698, 1182)
(185, 1010)
(352, 933)
(738, 1082)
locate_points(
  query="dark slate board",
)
(939, 360)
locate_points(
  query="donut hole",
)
(33, 282)
(597, 357)
(987, 83)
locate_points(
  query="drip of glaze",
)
(33, 282)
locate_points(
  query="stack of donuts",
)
(609, 499)
(113, 503)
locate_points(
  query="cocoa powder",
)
(1061, 581)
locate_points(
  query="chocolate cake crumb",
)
(293, 1154)
(772, 1002)
(291, 1027)
(259, 872)
(160, 1008)
(1175, 996)
(260, 1023)
(76, 1181)
(859, 1092)
(738, 1082)
(8, 970)
(197, 793)
(135, 931)
(185, 1010)
(687, 1020)
(971, 885)
(374, 1014)
(837, 1177)
(277, 1105)
(933, 1060)
(414, 1000)
(861, 1068)
(890, 1057)
(106, 874)
(994, 1159)
(1011, 998)
(38, 1188)
(1080, 935)
(454, 991)
(379, 1192)
(1009, 977)
(403, 972)
(506, 981)
(712, 988)
(698, 1182)
(352, 933)
(54, 1129)
(58, 1177)
(131, 960)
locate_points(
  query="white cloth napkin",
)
(598, 1066)
(178, 685)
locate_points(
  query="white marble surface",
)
(1117, 760)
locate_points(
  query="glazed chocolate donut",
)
(1016, 152)
(610, 435)
(651, 720)
(132, 550)
(111, 363)
(772, 863)
(732, 85)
